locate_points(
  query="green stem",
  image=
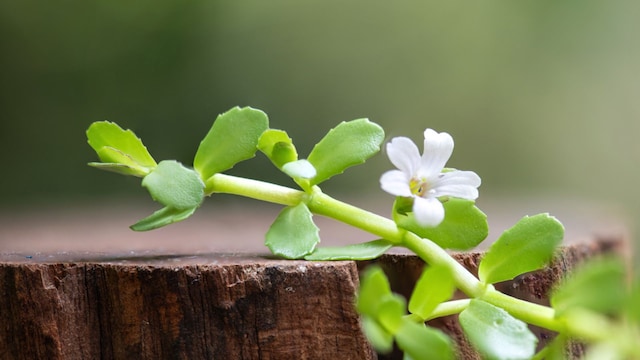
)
(448, 308)
(528, 312)
(255, 189)
(325, 205)
(427, 250)
(433, 254)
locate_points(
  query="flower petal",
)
(404, 154)
(460, 184)
(438, 148)
(428, 212)
(395, 182)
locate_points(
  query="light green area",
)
(463, 228)
(348, 144)
(233, 137)
(119, 150)
(434, 286)
(527, 246)
(362, 251)
(496, 334)
(599, 286)
(174, 185)
(293, 235)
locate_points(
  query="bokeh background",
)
(542, 97)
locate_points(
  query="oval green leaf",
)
(363, 251)
(597, 285)
(420, 342)
(380, 339)
(293, 235)
(232, 138)
(434, 286)
(495, 333)
(120, 149)
(162, 217)
(374, 286)
(299, 169)
(278, 147)
(527, 246)
(174, 185)
(464, 225)
(348, 144)
(120, 168)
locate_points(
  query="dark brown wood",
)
(229, 307)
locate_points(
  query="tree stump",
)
(168, 299)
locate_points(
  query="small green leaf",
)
(293, 235)
(348, 144)
(495, 333)
(420, 342)
(391, 312)
(162, 217)
(382, 310)
(121, 169)
(374, 286)
(174, 185)
(632, 305)
(232, 138)
(278, 147)
(596, 285)
(464, 225)
(554, 350)
(527, 246)
(363, 251)
(434, 286)
(380, 339)
(120, 150)
(299, 169)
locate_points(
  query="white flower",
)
(422, 177)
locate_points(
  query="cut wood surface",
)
(70, 290)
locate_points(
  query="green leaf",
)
(374, 286)
(495, 333)
(632, 305)
(162, 217)
(434, 286)
(527, 246)
(121, 169)
(348, 144)
(278, 147)
(380, 339)
(464, 225)
(376, 300)
(554, 350)
(382, 310)
(299, 169)
(391, 312)
(232, 138)
(174, 185)
(293, 235)
(120, 150)
(363, 251)
(420, 342)
(597, 285)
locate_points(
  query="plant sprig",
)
(434, 211)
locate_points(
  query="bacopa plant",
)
(434, 210)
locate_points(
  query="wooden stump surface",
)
(66, 297)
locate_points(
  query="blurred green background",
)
(541, 96)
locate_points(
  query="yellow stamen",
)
(418, 187)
